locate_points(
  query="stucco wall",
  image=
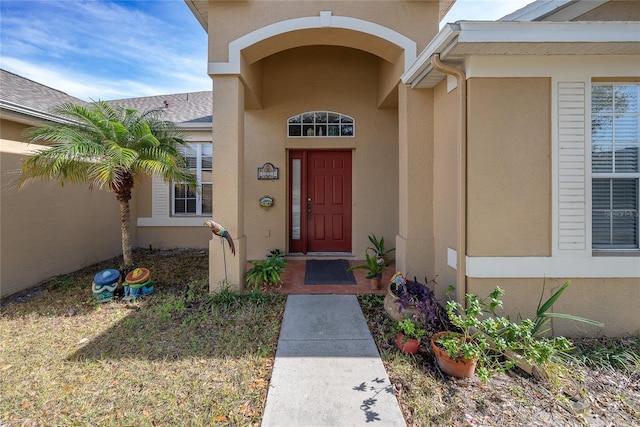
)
(47, 230)
(445, 179)
(509, 167)
(231, 20)
(615, 302)
(321, 78)
(615, 10)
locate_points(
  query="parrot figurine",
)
(219, 230)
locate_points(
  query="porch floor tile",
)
(293, 278)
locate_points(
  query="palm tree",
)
(108, 147)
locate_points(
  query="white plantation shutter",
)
(572, 203)
(160, 198)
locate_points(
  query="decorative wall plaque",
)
(268, 171)
(266, 201)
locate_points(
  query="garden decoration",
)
(104, 284)
(137, 284)
(222, 232)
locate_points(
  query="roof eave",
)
(26, 115)
(509, 32)
(200, 10)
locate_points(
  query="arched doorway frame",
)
(324, 20)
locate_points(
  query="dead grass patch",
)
(178, 356)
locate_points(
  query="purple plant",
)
(418, 295)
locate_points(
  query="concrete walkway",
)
(327, 370)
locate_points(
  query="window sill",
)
(190, 221)
(615, 252)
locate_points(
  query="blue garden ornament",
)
(104, 284)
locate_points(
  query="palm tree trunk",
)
(125, 228)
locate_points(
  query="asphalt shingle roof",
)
(193, 107)
(23, 92)
(20, 92)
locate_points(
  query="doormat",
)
(328, 272)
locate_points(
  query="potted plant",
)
(412, 299)
(409, 334)
(489, 340)
(267, 272)
(375, 267)
(379, 250)
(458, 352)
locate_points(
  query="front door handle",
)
(309, 209)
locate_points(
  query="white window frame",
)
(617, 175)
(198, 148)
(318, 125)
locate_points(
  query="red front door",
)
(320, 213)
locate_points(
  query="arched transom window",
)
(320, 124)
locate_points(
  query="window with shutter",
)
(615, 139)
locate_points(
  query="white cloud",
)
(90, 87)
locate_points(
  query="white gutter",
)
(422, 65)
(517, 32)
(36, 116)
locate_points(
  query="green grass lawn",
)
(178, 357)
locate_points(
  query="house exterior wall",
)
(508, 166)
(317, 79)
(615, 302)
(616, 10)
(557, 91)
(229, 21)
(444, 182)
(47, 230)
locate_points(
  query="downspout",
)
(461, 259)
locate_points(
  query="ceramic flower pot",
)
(393, 308)
(455, 368)
(410, 345)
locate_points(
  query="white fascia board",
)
(517, 32)
(566, 267)
(535, 10)
(29, 114)
(548, 32)
(422, 66)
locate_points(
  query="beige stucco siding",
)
(332, 79)
(509, 167)
(615, 10)
(232, 20)
(49, 230)
(444, 182)
(616, 302)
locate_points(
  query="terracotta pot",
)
(393, 308)
(455, 368)
(375, 283)
(411, 346)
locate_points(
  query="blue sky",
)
(118, 49)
